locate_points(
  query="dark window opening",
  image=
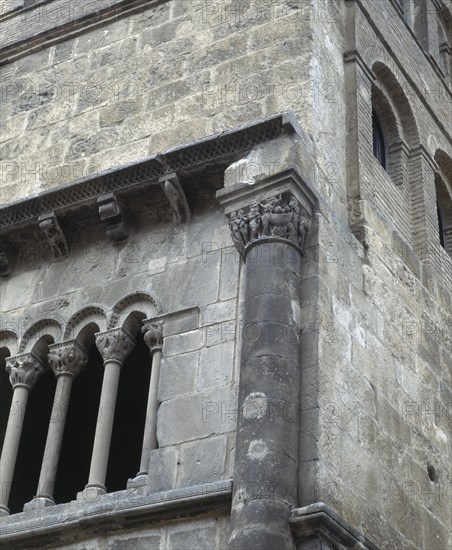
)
(80, 428)
(442, 232)
(379, 142)
(130, 416)
(32, 442)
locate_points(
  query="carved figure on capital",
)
(70, 358)
(279, 216)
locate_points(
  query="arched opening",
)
(443, 185)
(80, 428)
(34, 434)
(6, 394)
(441, 224)
(130, 416)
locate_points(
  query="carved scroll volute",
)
(68, 358)
(153, 336)
(115, 344)
(24, 370)
(281, 216)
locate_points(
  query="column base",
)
(92, 492)
(39, 502)
(139, 481)
(4, 511)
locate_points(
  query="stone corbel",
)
(176, 196)
(4, 264)
(6, 250)
(56, 239)
(110, 211)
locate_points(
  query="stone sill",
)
(113, 511)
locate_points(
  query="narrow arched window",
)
(379, 142)
(441, 225)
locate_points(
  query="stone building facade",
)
(226, 274)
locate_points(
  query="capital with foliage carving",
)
(68, 358)
(115, 344)
(280, 216)
(153, 336)
(24, 370)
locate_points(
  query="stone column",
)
(24, 371)
(269, 233)
(153, 338)
(67, 361)
(114, 346)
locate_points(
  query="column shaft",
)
(104, 427)
(267, 436)
(150, 430)
(55, 437)
(11, 444)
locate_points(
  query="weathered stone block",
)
(215, 366)
(203, 538)
(177, 376)
(197, 416)
(202, 462)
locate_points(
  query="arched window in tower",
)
(379, 142)
(442, 234)
(444, 24)
(443, 187)
(444, 212)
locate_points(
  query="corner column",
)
(114, 346)
(153, 337)
(24, 371)
(269, 233)
(67, 361)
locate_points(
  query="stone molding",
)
(20, 38)
(115, 344)
(153, 336)
(223, 146)
(68, 358)
(24, 370)
(318, 522)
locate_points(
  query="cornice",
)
(29, 29)
(221, 147)
(320, 522)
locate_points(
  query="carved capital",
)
(153, 336)
(280, 216)
(68, 358)
(24, 370)
(54, 235)
(115, 344)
